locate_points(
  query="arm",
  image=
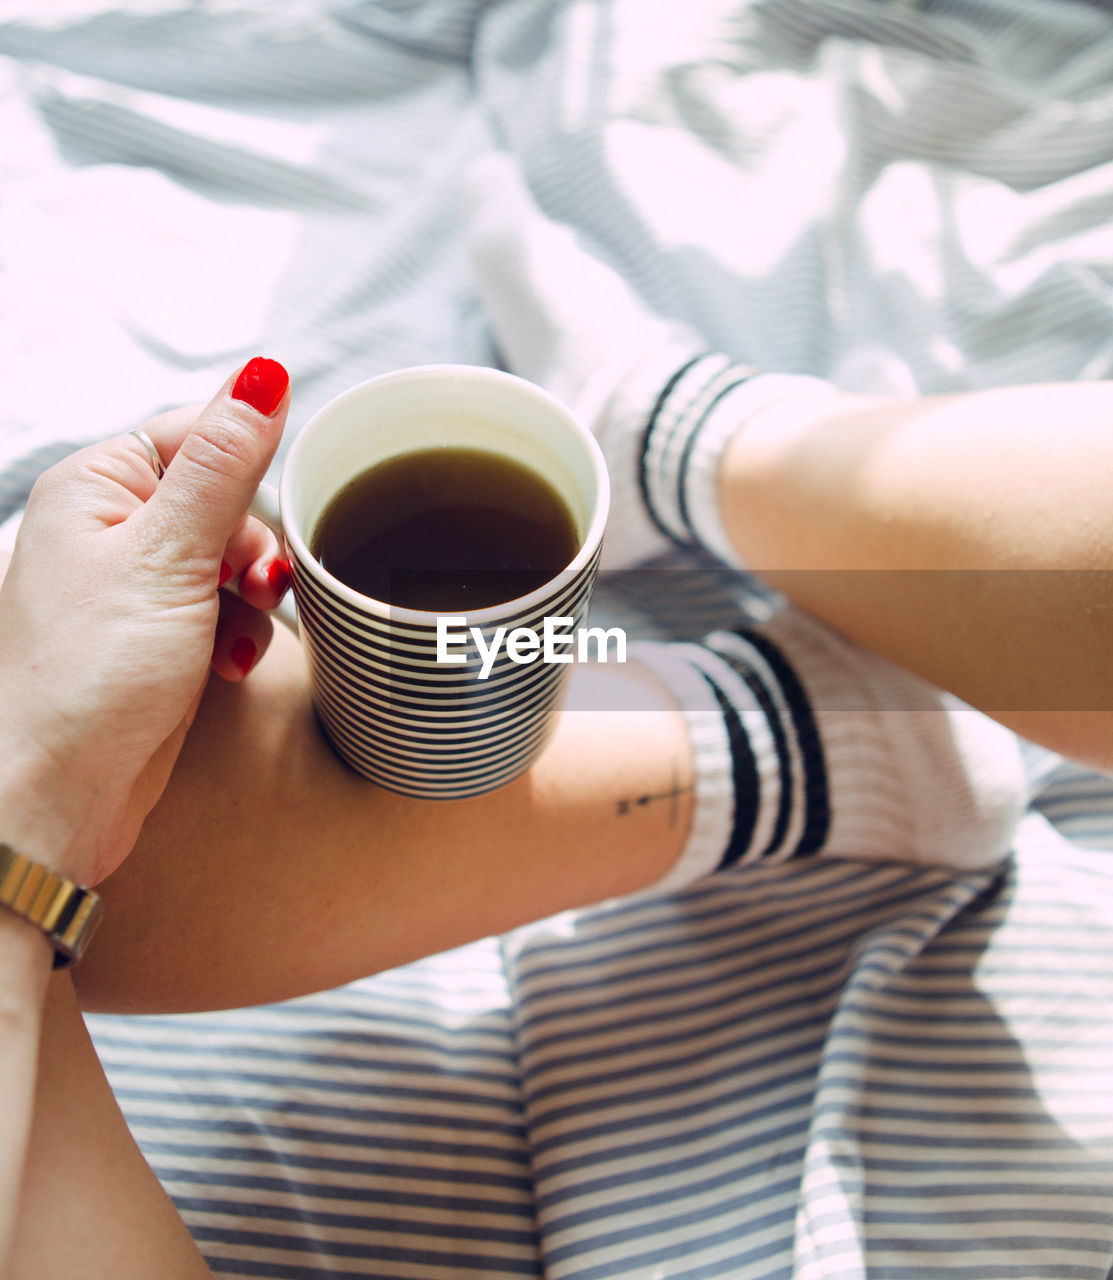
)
(108, 625)
(25, 963)
(969, 538)
(89, 1204)
(76, 1195)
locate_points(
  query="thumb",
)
(215, 472)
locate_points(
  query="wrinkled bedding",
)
(820, 1071)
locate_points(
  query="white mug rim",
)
(490, 614)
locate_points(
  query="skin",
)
(176, 935)
(217, 823)
(261, 834)
(955, 535)
(269, 837)
(89, 735)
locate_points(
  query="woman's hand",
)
(110, 616)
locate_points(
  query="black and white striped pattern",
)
(804, 743)
(781, 800)
(700, 407)
(400, 703)
(372, 1131)
(792, 1074)
(672, 433)
(412, 724)
(801, 1070)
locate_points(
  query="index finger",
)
(168, 430)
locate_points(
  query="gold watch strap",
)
(64, 911)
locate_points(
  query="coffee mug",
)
(438, 705)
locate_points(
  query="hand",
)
(110, 616)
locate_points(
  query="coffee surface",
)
(446, 530)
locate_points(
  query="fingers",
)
(214, 472)
(168, 430)
(242, 637)
(253, 565)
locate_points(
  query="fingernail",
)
(278, 575)
(225, 573)
(244, 654)
(261, 384)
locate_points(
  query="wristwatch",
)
(66, 912)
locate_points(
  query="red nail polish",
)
(278, 575)
(261, 384)
(244, 653)
(225, 573)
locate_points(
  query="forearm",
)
(89, 1204)
(969, 538)
(25, 964)
(76, 1196)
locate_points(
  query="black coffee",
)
(446, 530)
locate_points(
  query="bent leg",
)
(910, 525)
(967, 537)
(269, 869)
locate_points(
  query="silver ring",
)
(152, 453)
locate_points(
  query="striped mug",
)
(437, 705)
